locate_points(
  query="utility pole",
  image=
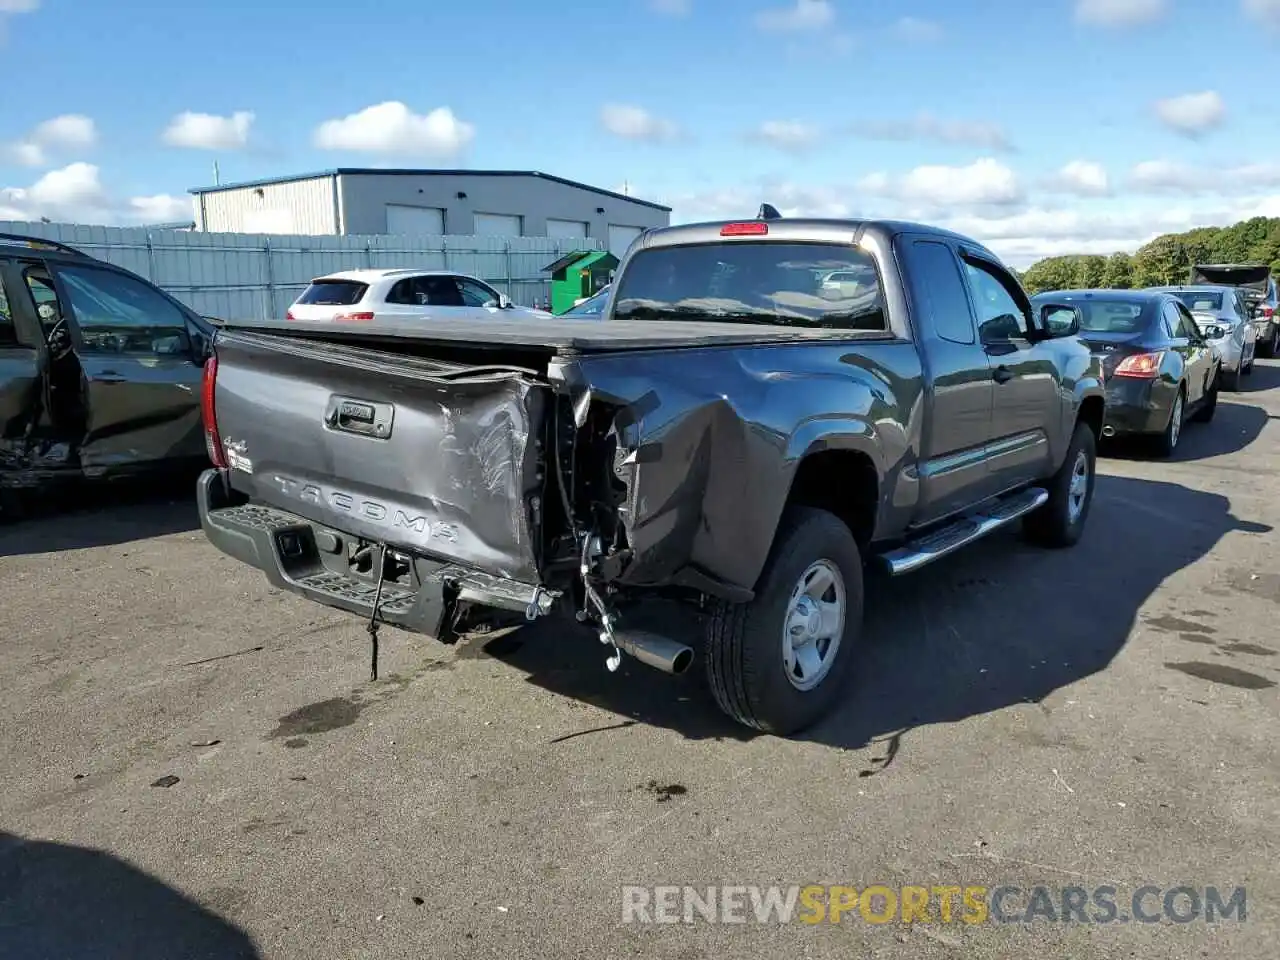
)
(216, 180)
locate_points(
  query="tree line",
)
(1165, 260)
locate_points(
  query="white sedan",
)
(367, 295)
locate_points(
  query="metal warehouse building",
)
(498, 203)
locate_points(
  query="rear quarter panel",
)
(710, 440)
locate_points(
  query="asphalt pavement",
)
(196, 765)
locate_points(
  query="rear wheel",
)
(1210, 406)
(779, 662)
(1168, 441)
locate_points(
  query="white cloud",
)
(800, 17)
(1192, 114)
(1264, 11)
(915, 30)
(67, 132)
(924, 126)
(75, 194)
(392, 128)
(207, 131)
(981, 183)
(162, 208)
(1169, 176)
(1120, 13)
(19, 6)
(792, 136)
(1084, 178)
(672, 8)
(636, 123)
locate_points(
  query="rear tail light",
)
(354, 316)
(1268, 311)
(1142, 365)
(209, 414)
(289, 315)
(752, 228)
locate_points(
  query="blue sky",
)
(1063, 125)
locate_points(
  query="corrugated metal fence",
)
(257, 276)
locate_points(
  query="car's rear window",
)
(1111, 317)
(792, 284)
(1204, 302)
(333, 293)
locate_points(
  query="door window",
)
(1186, 327)
(8, 336)
(943, 287)
(477, 294)
(119, 314)
(1000, 316)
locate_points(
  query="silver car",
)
(1224, 316)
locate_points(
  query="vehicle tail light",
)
(1268, 311)
(752, 228)
(1143, 365)
(354, 316)
(288, 315)
(209, 414)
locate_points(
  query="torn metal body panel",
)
(707, 469)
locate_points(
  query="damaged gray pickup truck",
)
(764, 407)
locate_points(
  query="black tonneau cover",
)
(576, 336)
(1253, 276)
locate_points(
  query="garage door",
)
(566, 230)
(414, 221)
(620, 238)
(498, 225)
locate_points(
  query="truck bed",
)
(562, 336)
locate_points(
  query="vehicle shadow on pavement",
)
(99, 515)
(73, 903)
(998, 624)
(1235, 426)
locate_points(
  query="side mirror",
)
(1212, 332)
(504, 302)
(1059, 320)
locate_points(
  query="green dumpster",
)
(578, 275)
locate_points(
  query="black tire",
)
(1210, 405)
(1231, 381)
(1053, 524)
(1167, 442)
(744, 647)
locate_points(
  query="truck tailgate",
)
(433, 458)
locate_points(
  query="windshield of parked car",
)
(1203, 302)
(825, 285)
(591, 307)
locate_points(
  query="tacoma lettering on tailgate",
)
(366, 509)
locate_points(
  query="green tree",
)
(1089, 271)
(1118, 274)
(1055, 273)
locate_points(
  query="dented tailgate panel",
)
(383, 448)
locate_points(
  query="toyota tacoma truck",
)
(739, 431)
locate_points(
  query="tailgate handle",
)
(362, 417)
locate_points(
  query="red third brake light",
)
(754, 228)
(208, 413)
(1143, 365)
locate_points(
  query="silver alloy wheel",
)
(1175, 422)
(814, 625)
(1079, 487)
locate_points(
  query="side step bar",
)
(974, 525)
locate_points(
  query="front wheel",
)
(779, 662)
(1060, 521)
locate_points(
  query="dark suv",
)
(100, 370)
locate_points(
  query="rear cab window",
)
(778, 283)
(333, 293)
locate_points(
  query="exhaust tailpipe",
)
(1108, 431)
(655, 650)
